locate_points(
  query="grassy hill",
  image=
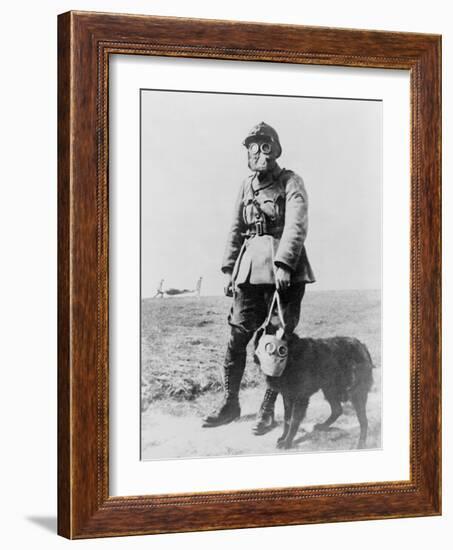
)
(184, 339)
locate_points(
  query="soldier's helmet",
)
(264, 130)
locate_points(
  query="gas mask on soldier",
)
(261, 155)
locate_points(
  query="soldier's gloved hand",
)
(228, 284)
(282, 278)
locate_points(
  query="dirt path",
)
(178, 434)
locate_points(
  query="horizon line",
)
(311, 291)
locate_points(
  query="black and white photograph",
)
(226, 286)
(261, 231)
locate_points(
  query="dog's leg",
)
(335, 407)
(288, 405)
(299, 409)
(359, 399)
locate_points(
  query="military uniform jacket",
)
(280, 202)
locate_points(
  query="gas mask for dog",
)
(272, 349)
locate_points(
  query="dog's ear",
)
(298, 346)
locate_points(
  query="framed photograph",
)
(249, 275)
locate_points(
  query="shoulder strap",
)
(247, 187)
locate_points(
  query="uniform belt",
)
(257, 230)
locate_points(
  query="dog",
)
(341, 367)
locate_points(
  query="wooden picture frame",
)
(85, 42)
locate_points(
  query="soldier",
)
(264, 250)
(159, 292)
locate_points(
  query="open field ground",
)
(183, 344)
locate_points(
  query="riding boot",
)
(265, 417)
(233, 369)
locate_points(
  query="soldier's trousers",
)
(249, 310)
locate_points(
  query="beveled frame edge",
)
(85, 42)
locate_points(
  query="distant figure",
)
(159, 291)
(173, 292)
(198, 288)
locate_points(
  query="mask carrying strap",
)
(275, 299)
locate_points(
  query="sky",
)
(193, 162)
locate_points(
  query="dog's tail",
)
(362, 370)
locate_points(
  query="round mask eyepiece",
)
(266, 147)
(254, 148)
(282, 351)
(270, 348)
